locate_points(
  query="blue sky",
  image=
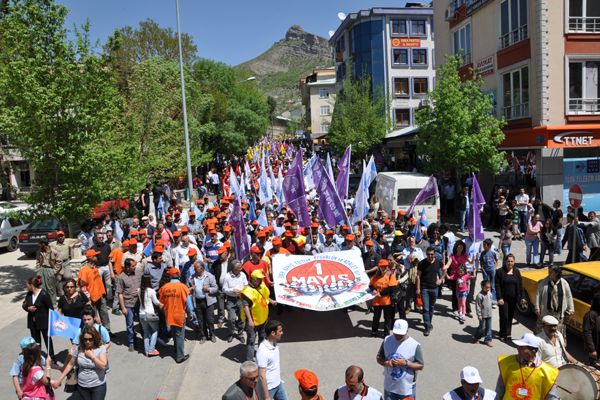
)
(227, 31)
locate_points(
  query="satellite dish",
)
(341, 16)
(331, 33)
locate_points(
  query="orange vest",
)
(380, 283)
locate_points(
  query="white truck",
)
(397, 190)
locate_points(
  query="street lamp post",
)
(185, 124)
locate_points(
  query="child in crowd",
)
(515, 220)
(483, 309)
(488, 260)
(462, 290)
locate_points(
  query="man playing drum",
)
(552, 344)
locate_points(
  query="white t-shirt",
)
(267, 357)
(368, 393)
(522, 198)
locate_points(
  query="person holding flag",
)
(38, 305)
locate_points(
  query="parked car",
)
(10, 229)
(584, 280)
(38, 230)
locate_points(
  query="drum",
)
(578, 382)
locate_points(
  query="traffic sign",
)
(575, 196)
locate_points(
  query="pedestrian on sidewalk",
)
(509, 292)
(48, 266)
(177, 300)
(548, 239)
(575, 238)
(149, 316)
(267, 359)
(308, 385)
(128, 288)
(506, 237)
(37, 303)
(489, 262)
(483, 309)
(592, 235)
(554, 298)
(532, 240)
(249, 386)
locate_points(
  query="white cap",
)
(144, 217)
(528, 340)
(470, 375)
(549, 320)
(400, 327)
(281, 216)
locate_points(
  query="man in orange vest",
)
(176, 299)
(523, 376)
(90, 278)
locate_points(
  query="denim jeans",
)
(393, 396)
(178, 333)
(550, 251)
(485, 329)
(92, 393)
(558, 242)
(505, 249)
(129, 325)
(150, 329)
(523, 221)
(490, 275)
(278, 393)
(462, 219)
(429, 298)
(532, 246)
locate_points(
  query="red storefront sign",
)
(406, 42)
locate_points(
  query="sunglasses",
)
(85, 339)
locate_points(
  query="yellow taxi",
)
(584, 280)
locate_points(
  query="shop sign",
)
(406, 42)
(485, 66)
(574, 139)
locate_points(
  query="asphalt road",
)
(324, 342)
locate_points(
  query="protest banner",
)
(323, 282)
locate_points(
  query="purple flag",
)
(330, 205)
(428, 191)
(236, 220)
(343, 174)
(293, 190)
(477, 203)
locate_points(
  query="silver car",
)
(10, 228)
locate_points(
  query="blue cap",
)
(26, 341)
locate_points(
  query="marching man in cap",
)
(470, 387)
(524, 376)
(308, 385)
(255, 302)
(553, 348)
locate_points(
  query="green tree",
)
(458, 131)
(58, 107)
(152, 123)
(359, 118)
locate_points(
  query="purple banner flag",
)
(428, 191)
(330, 205)
(343, 174)
(477, 203)
(293, 191)
(240, 238)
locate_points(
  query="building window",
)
(419, 56)
(515, 87)
(402, 117)
(420, 86)
(418, 27)
(324, 110)
(401, 87)
(398, 26)
(584, 93)
(462, 43)
(584, 16)
(323, 93)
(324, 128)
(400, 56)
(513, 22)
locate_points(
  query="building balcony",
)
(517, 111)
(513, 37)
(584, 24)
(584, 106)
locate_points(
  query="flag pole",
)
(48, 342)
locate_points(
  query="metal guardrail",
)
(517, 111)
(514, 36)
(584, 106)
(584, 24)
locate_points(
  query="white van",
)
(397, 190)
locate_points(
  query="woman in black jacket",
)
(37, 303)
(509, 292)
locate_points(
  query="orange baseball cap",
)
(227, 245)
(345, 228)
(173, 271)
(329, 232)
(383, 262)
(307, 379)
(276, 241)
(386, 221)
(142, 232)
(192, 252)
(125, 243)
(314, 225)
(227, 228)
(369, 243)
(221, 215)
(176, 234)
(177, 212)
(184, 229)
(256, 249)
(192, 214)
(133, 232)
(91, 253)
(222, 249)
(288, 234)
(288, 224)
(159, 249)
(60, 233)
(350, 237)
(132, 242)
(262, 234)
(212, 231)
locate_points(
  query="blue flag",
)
(59, 325)
(252, 209)
(417, 233)
(149, 249)
(262, 219)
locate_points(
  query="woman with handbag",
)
(149, 315)
(37, 303)
(509, 292)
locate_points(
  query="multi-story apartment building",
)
(318, 98)
(395, 47)
(539, 60)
